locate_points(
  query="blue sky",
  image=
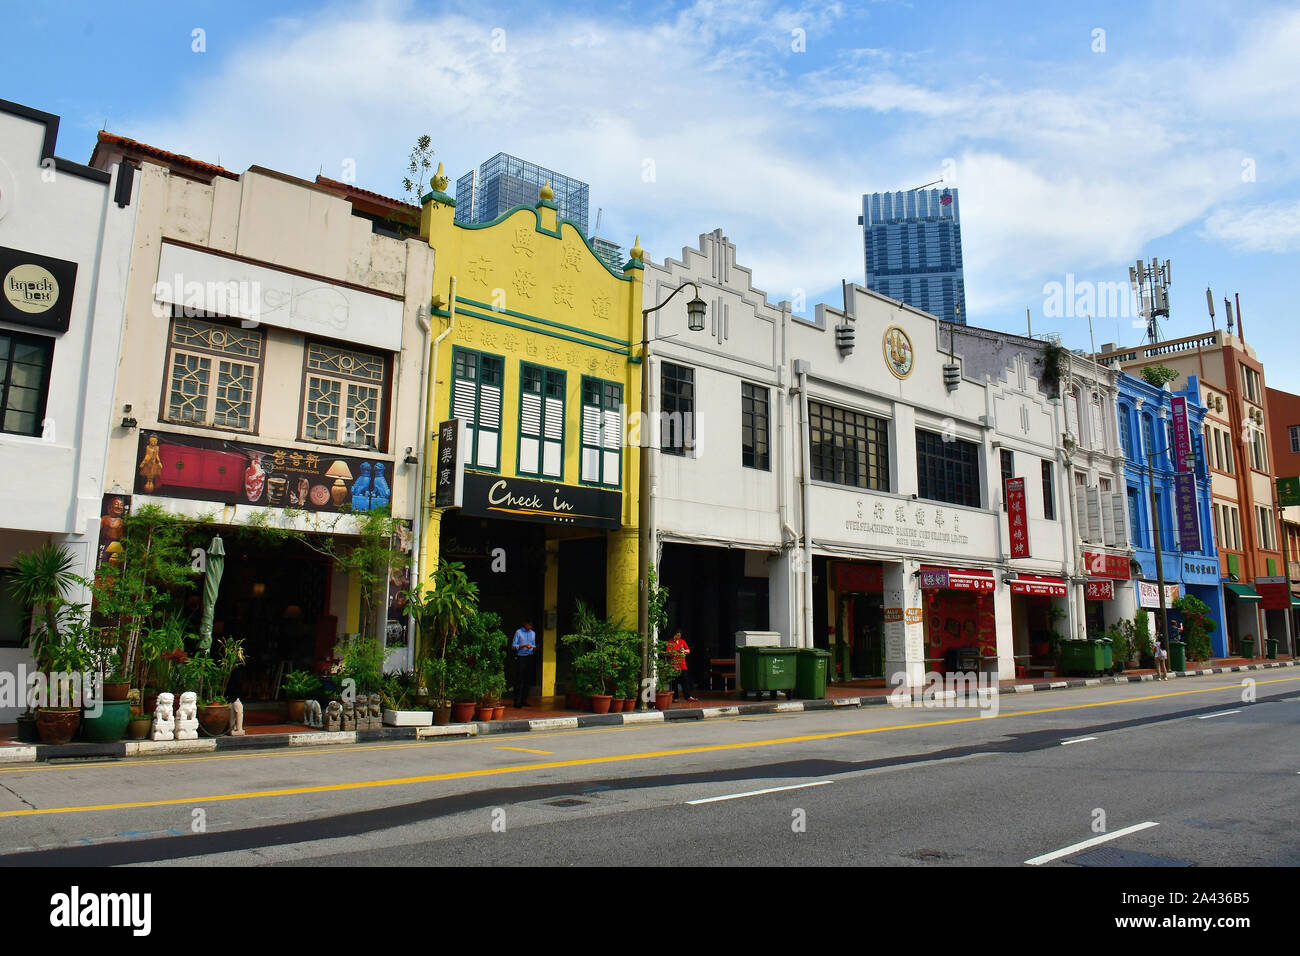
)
(1169, 134)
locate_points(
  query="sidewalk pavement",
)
(859, 693)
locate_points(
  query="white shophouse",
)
(65, 247)
(723, 499)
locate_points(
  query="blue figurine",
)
(361, 490)
(380, 493)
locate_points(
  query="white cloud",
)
(1060, 171)
(1268, 228)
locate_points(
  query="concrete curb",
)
(28, 753)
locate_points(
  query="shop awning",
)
(957, 579)
(1295, 600)
(1244, 592)
(1038, 585)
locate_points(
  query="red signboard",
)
(953, 579)
(859, 577)
(1017, 516)
(1099, 591)
(1106, 565)
(1276, 592)
(1038, 586)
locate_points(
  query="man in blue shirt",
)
(524, 643)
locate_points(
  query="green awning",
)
(1244, 592)
(1295, 600)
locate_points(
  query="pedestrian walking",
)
(524, 643)
(1161, 656)
(678, 650)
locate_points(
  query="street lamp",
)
(695, 312)
(1155, 527)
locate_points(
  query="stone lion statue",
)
(164, 720)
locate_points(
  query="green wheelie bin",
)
(767, 669)
(1248, 647)
(1271, 644)
(810, 673)
(1178, 655)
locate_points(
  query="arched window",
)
(1126, 431)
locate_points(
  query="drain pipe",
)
(417, 485)
(801, 368)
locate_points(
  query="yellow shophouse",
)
(537, 354)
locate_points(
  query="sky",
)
(1081, 137)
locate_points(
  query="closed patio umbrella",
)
(211, 582)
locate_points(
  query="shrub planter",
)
(483, 713)
(297, 711)
(442, 716)
(57, 726)
(463, 712)
(117, 690)
(600, 703)
(111, 723)
(663, 700)
(137, 728)
(499, 712)
(617, 704)
(214, 719)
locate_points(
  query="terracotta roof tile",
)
(112, 140)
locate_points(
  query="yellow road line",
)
(587, 761)
(525, 750)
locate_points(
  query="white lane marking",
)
(1076, 847)
(1222, 713)
(755, 793)
(1076, 740)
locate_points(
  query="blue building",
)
(912, 243)
(504, 182)
(1146, 425)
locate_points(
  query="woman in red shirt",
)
(677, 651)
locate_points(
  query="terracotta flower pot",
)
(499, 712)
(57, 726)
(441, 716)
(297, 711)
(138, 727)
(116, 690)
(617, 704)
(629, 705)
(214, 719)
(600, 703)
(663, 700)
(483, 713)
(462, 713)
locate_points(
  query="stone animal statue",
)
(237, 710)
(312, 714)
(334, 715)
(349, 715)
(164, 720)
(376, 712)
(187, 717)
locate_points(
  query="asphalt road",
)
(1171, 773)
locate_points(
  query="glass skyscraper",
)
(912, 243)
(506, 181)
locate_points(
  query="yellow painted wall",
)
(530, 289)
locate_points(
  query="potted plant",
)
(300, 687)
(435, 679)
(42, 579)
(599, 648)
(666, 671)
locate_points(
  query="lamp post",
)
(695, 312)
(1155, 527)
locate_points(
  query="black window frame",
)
(947, 470)
(1049, 490)
(841, 443)
(46, 343)
(1007, 460)
(677, 400)
(755, 426)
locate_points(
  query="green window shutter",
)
(541, 422)
(1272, 566)
(1234, 566)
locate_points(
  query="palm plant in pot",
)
(300, 687)
(41, 582)
(596, 656)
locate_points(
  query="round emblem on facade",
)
(30, 288)
(898, 352)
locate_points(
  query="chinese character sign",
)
(449, 465)
(1182, 438)
(1189, 524)
(1017, 517)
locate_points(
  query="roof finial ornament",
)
(636, 251)
(546, 193)
(440, 182)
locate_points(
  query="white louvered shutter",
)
(553, 438)
(590, 443)
(463, 408)
(1081, 510)
(489, 424)
(530, 432)
(1096, 533)
(1098, 426)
